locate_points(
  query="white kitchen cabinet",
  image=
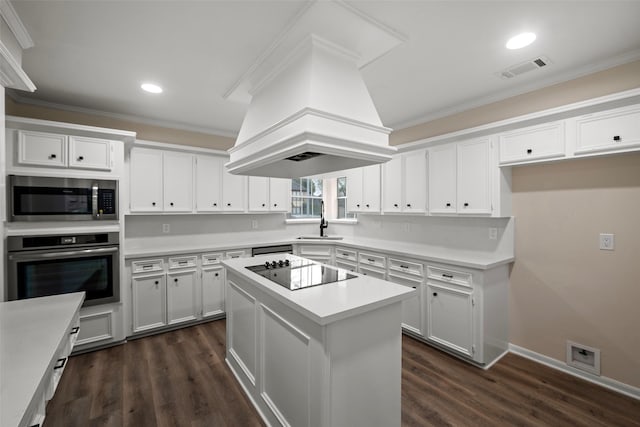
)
(442, 179)
(177, 181)
(90, 153)
(405, 183)
(234, 192)
(145, 176)
(474, 177)
(363, 189)
(613, 130)
(280, 194)
(319, 253)
(410, 273)
(212, 291)
(209, 183)
(62, 151)
(258, 194)
(450, 317)
(546, 141)
(149, 302)
(181, 297)
(460, 176)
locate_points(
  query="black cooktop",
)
(300, 273)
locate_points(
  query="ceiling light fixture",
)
(521, 40)
(151, 88)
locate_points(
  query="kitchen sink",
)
(321, 238)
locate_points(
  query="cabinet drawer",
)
(182, 262)
(240, 253)
(147, 265)
(407, 267)
(450, 276)
(315, 250)
(533, 143)
(405, 281)
(346, 265)
(609, 130)
(347, 254)
(373, 260)
(212, 258)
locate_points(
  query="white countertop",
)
(327, 303)
(30, 332)
(471, 259)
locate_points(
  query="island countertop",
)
(326, 303)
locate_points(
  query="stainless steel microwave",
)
(36, 198)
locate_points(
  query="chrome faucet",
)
(323, 223)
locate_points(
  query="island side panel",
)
(365, 354)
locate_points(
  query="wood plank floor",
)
(180, 378)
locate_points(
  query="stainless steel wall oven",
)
(57, 264)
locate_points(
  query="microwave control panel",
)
(107, 202)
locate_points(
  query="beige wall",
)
(613, 80)
(144, 131)
(562, 286)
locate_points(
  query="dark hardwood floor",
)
(180, 378)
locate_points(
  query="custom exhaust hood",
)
(309, 109)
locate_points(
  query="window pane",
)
(342, 186)
(342, 208)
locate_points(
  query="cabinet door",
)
(212, 291)
(354, 189)
(208, 183)
(533, 143)
(610, 130)
(411, 308)
(178, 182)
(474, 180)
(371, 188)
(450, 318)
(280, 194)
(90, 153)
(233, 192)
(392, 185)
(149, 302)
(258, 194)
(145, 175)
(415, 181)
(181, 297)
(42, 149)
(442, 179)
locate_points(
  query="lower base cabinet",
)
(213, 295)
(181, 297)
(149, 302)
(450, 318)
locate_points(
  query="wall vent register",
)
(297, 274)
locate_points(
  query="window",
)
(308, 193)
(306, 197)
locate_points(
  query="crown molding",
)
(15, 24)
(118, 116)
(13, 75)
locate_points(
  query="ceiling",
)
(93, 55)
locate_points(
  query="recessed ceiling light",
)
(521, 40)
(151, 88)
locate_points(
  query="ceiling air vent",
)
(524, 67)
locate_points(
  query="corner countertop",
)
(471, 259)
(31, 331)
(327, 303)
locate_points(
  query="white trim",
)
(178, 147)
(617, 99)
(611, 384)
(119, 116)
(15, 24)
(14, 72)
(26, 123)
(520, 90)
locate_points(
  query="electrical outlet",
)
(166, 228)
(607, 242)
(493, 233)
(254, 224)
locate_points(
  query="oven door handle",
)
(64, 254)
(94, 201)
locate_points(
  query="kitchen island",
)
(327, 355)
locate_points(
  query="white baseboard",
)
(611, 384)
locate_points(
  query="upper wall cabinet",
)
(234, 192)
(404, 182)
(209, 183)
(269, 194)
(62, 151)
(612, 130)
(161, 181)
(363, 189)
(546, 141)
(464, 178)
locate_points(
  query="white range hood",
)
(310, 111)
